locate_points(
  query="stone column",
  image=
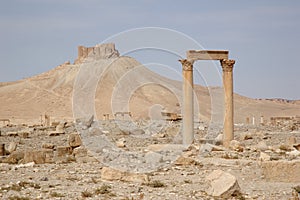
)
(227, 66)
(262, 120)
(188, 102)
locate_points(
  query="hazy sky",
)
(261, 35)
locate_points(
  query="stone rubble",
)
(140, 162)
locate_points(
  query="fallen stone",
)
(82, 155)
(41, 156)
(15, 157)
(281, 171)
(293, 153)
(291, 140)
(60, 127)
(48, 146)
(264, 157)
(207, 148)
(262, 146)
(26, 165)
(23, 134)
(74, 140)
(63, 151)
(185, 161)
(219, 139)
(80, 152)
(222, 184)
(11, 147)
(236, 146)
(121, 143)
(285, 147)
(111, 174)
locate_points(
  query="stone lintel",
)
(194, 55)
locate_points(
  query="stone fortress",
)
(100, 51)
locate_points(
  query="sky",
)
(261, 35)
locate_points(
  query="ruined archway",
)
(188, 85)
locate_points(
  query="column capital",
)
(227, 65)
(186, 65)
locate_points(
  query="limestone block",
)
(80, 152)
(121, 143)
(264, 157)
(291, 140)
(219, 139)
(38, 156)
(74, 140)
(222, 184)
(12, 147)
(111, 174)
(15, 157)
(82, 155)
(293, 153)
(236, 146)
(281, 171)
(185, 161)
(262, 146)
(60, 128)
(48, 146)
(23, 134)
(63, 151)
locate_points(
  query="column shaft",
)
(188, 102)
(228, 135)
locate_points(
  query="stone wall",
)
(100, 51)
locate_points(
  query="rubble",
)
(111, 174)
(281, 171)
(222, 184)
(11, 148)
(74, 140)
(131, 156)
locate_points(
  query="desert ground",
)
(60, 138)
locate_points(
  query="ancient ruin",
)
(188, 93)
(46, 153)
(100, 51)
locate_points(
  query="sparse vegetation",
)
(104, 189)
(15, 187)
(56, 194)
(18, 198)
(156, 184)
(187, 181)
(25, 184)
(86, 194)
